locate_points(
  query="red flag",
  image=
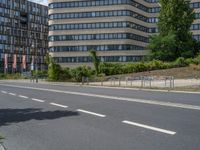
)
(6, 61)
(24, 61)
(14, 61)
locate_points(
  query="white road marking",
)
(22, 96)
(152, 102)
(92, 113)
(13, 94)
(38, 100)
(149, 127)
(4, 92)
(59, 105)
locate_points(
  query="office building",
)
(118, 30)
(23, 35)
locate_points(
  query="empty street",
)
(57, 117)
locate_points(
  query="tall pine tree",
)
(174, 39)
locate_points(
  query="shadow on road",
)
(9, 116)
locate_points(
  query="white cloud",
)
(44, 2)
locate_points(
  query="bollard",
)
(82, 80)
(173, 82)
(101, 81)
(150, 83)
(142, 82)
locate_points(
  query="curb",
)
(121, 88)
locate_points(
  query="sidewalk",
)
(181, 85)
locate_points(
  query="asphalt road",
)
(53, 117)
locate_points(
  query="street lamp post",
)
(36, 62)
(36, 67)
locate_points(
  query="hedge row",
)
(109, 69)
(118, 68)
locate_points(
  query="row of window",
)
(95, 47)
(17, 14)
(153, 20)
(197, 15)
(25, 6)
(103, 36)
(98, 25)
(21, 41)
(195, 27)
(19, 60)
(192, 5)
(97, 3)
(195, 5)
(157, 9)
(197, 37)
(6, 48)
(152, 1)
(154, 10)
(15, 23)
(98, 14)
(102, 58)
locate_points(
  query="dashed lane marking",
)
(4, 92)
(149, 127)
(38, 100)
(91, 113)
(13, 94)
(22, 96)
(59, 105)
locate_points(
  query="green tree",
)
(163, 47)
(174, 38)
(95, 60)
(54, 70)
(47, 59)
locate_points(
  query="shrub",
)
(82, 71)
(54, 72)
(156, 64)
(181, 62)
(196, 60)
(65, 75)
(140, 67)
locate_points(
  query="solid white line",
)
(152, 102)
(92, 113)
(59, 105)
(4, 92)
(149, 127)
(13, 94)
(38, 100)
(22, 96)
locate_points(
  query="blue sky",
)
(44, 2)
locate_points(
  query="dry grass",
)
(193, 71)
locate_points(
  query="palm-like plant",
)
(95, 60)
